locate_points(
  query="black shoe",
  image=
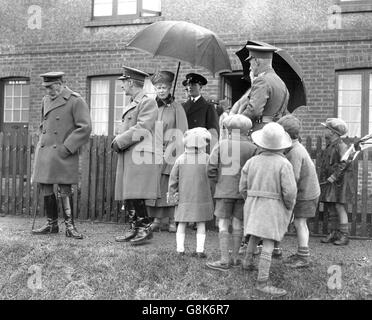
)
(49, 227)
(330, 237)
(71, 232)
(143, 234)
(130, 234)
(342, 240)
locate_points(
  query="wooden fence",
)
(93, 197)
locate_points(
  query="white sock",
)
(180, 240)
(200, 240)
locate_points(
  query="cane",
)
(36, 204)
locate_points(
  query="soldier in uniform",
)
(199, 112)
(268, 98)
(65, 127)
(136, 178)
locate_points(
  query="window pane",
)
(24, 116)
(127, 7)
(102, 8)
(16, 116)
(8, 90)
(26, 90)
(7, 116)
(17, 103)
(350, 98)
(8, 103)
(17, 90)
(153, 5)
(25, 103)
(100, 95)
(350, 82)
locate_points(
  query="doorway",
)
(234, 86)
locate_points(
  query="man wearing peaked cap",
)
(268, 99)
(65, 127)
(199, 112)
(136, 180)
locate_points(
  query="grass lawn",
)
(100, 268)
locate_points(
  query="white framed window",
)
(125, 8)
(16, 101)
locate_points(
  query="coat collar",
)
(134, 102)
(61, 100)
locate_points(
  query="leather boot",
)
(331, 237)
(71, 231)
(132, 231)
(343, 239)
(51, 210)
(144, 233)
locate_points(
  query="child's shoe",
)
(235, 262)
(200, 255)
(277, 253)
(298, 262)
(218, 265)
(269, 289)
(243, 247)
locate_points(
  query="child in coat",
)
(333, 177)
(189, 188)
(308, 191)
(268, 186)
(224, 166)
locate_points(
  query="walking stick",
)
(36, 204)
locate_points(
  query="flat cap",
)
(194, 78)
(262, 52)
(337, 125)
(132, 73)
(291, 124)
(51, 77)
(162, 77)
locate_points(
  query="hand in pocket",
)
(63, 151)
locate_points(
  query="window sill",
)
(355, 6)
(110, 21)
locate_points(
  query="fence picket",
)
(108, 177)
(7, 175)
(93, 181)
(2, 210)
(14, 152)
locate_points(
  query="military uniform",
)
(65, 127)
(268, 97)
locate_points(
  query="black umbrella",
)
(286, 68)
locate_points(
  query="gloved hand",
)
(115, 146)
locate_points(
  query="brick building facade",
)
(334, 51)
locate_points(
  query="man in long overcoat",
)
(268, 98)
(65, 127)
(136, 178)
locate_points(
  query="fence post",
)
(2, 210)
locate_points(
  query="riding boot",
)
(51, 209)
(132, 231)
(144, 232)
(71, 231)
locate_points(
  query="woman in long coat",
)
(173, 122)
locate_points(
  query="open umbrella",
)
(286, 68)
(183, 41)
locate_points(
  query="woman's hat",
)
(162, 77)
(237, 121)
(272, 136)
(337, 125)
(196, 137)
(291, 124)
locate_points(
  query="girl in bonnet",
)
(269, 188)
(189, 189)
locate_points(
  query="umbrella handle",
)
(175, 81)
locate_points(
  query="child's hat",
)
(337, 125)
(237, 121)
(272, 136)
(196, 137)
(291, 124)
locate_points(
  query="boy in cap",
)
(189, 189)
(199, 112)
(268, 186)
(172, 119)
(65, 127)
(224, 166)
(333, 177)
(308, 190)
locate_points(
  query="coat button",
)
(57, 118)
(45, 117)
(42, 146)
(54, 146)
(44, 131)
(55, 132)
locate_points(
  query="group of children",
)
(259, 183)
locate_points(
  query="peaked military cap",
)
(261, 52)
(194, 78)
(132, 73)
(162, 77)
(51, 77)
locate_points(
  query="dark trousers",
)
(136, 209)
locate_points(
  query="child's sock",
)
(303, 253)
(264, 267)
(344, 228)
(200, 240)
(236, 237)
(224, 237)
(180, 240)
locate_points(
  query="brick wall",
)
(70, 42)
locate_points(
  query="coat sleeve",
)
(258, 97)
(146, 118)
(296, 163)
(174, 179)
(288, 186)
(83, 126)
(339, 167)
(243, 181)
(213, 164)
